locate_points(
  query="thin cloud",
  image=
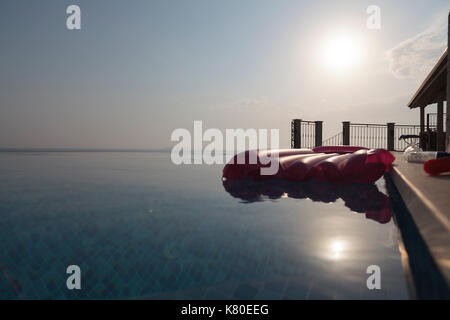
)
(416, 56)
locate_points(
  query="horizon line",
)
(10, 149)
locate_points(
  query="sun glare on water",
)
(337, 247)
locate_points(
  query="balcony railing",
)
(432, 121)
(308, 134)
(335, 140)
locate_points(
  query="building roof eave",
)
(433, 88)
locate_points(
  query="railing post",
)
(440, 139)
(447, 143)
(296, 133)
(318, 133)
(346, 133)
(390, 136)
(422, 128)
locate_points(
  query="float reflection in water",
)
(361, 198)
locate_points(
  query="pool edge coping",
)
(432, 226)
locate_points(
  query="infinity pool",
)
(140, 227)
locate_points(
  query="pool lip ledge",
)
(432, 218)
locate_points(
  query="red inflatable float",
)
(339, 164)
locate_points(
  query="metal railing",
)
(308, 131)
(308, 134)
(432, 119)
(335, 140)
(368, 135)
(401, 129)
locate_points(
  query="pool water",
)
(140, 227)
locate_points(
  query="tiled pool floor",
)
(140, 227)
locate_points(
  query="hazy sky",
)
(139, 69)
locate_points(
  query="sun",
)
(341, 53)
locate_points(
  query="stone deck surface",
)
(428, 201)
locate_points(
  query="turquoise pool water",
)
(140, 227)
